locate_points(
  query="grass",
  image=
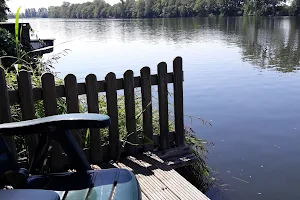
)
(199, 172)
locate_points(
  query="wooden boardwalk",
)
(158, 180)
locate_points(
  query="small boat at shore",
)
(39, 46)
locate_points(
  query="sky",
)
(14, 4)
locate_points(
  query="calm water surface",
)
(240, 73)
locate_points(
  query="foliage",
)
(295, 7)
(31, 13)
(122, 119)
(3, 10)
(198, 173)
(10, 49)
(7, 43)
(14, 51)
(165, 8)
(265, 7)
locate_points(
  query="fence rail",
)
(26, 97)
(101, 87)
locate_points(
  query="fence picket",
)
(71, 90)
(5, 114)
(178, 101)
(50, 105)
(27, 108)
(93, 107)
(130, 110)
(163, 105)
(112, 111)
(147, 105)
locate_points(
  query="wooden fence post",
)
(163, 106)
(27, 107)
(112, 111)
(130, 110)
(50, 105)
(71, 89)
(178, 101)
(147, 105)
(93, 107)
(5, 114)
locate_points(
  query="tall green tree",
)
(201, 8)
(43, 12)
(230, 7)
(140, 7)
(157, 8)
(295, 7)
(149, 4)
(263, 7)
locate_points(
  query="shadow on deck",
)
(157, 179)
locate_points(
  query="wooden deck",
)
(158, 180)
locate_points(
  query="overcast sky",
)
(14, 4)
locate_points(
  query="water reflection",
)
(271, 43)
(267, 43)
(264, 42)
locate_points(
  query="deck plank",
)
(173, 180)
(158, 180)
(144, 196)
(150, 185)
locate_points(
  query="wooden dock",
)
(158, 180)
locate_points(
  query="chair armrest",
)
(56, 122)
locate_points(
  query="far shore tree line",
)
(165, 8)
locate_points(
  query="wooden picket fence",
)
(26, 96)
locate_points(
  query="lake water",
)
(240, 73)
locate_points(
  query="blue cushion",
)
(28, 195)
(101, 183)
